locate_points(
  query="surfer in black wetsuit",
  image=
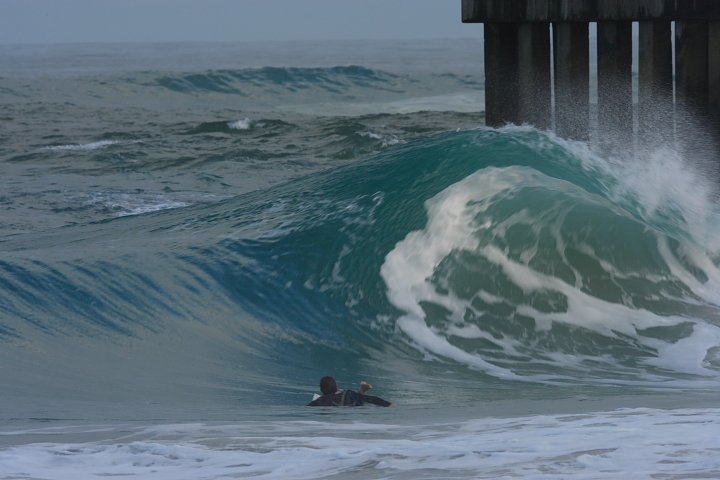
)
(333, 397)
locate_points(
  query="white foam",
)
(387, 140)
(583, 309)
(690, 354)
(709, 290)
(85, 146)
(242, 124)
(453, 225)
(425, 338)
(408, 267)
(134, 203)
(629, 443)
(450, 226)
(126, 204)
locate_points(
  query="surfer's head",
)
(328, 385)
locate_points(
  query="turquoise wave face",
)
(519, 255)
(509, 255)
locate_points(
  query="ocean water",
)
(193, 234)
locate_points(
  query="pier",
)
(537, 65)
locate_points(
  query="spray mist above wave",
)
(527, 276)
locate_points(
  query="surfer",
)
(334, 397)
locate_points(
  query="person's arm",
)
(375, 400)
(364, 387)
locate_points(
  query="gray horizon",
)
(161, 21)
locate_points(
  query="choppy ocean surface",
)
(193, 234)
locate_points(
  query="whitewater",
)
(193, 234)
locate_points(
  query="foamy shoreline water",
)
(624, 443)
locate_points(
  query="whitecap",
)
(84, 146)
(125, 204)
(242, 124)
(387, 140)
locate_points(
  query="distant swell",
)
(334, 79)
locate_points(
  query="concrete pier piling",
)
(501, 74)
(714, 74)
(655, 81)
(572, 74)
(692, 72)
(518, 57)
(534, 79)
(614, 62)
